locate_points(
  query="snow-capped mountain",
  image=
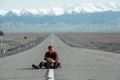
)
(91, 8)
(78, 15)
(2, 12)
(13, 12)
(76, 8)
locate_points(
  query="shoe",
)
(36, 67)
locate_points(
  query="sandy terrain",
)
(14, 39)
(98, 37)
(19, 37)
(16, 42)
(101, 41)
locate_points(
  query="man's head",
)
(50, 48)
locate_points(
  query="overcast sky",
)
(35, 4)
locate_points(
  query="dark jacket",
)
(53, 56)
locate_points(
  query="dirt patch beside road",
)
(100, 41)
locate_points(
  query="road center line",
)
(50, 74)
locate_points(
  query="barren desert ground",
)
(19, 37)
(100, 41)
(97, 37)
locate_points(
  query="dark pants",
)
(45, 64)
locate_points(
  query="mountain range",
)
(75, 17)
(77, 8)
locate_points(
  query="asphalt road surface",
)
(77, 63)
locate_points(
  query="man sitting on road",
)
(51, 58)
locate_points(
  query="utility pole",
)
(25, 37)
(1, 37)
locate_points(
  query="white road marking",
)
(50, 74)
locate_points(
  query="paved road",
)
(77, 63)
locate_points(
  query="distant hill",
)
(90, 17)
